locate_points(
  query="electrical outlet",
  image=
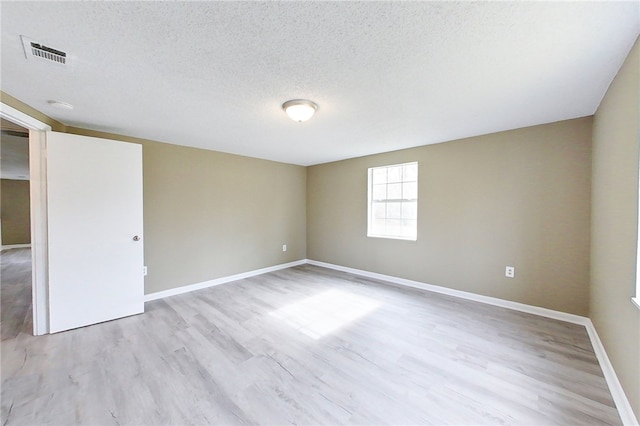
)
(144, 270)
(284, 247)
(510, 272)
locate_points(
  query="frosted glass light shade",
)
(299, 109)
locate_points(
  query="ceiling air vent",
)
(35, 50)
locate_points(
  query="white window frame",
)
(636, 299)
(370, 202)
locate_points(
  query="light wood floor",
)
(15, 292)
(308, 345)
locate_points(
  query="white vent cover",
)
(40, 52)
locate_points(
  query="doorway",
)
(51, 153)
(15, 231)
(38, 212)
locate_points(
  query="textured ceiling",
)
(386, 75)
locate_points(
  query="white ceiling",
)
(386, 75)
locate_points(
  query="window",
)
(393, 201)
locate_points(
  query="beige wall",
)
(14, 212)
(517, 198)
(616, 134)
(209, 215)
(21, 106)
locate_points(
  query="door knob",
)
(136, 238)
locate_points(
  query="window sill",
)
(636, 301)
(386, 237)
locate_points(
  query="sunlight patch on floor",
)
(326, 312)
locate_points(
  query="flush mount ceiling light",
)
(299, 109)
(60, 105)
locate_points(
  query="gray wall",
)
(209, 215)
(14, 212)
(519, 198)
(616, 134)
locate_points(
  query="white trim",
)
(636, 297)
(549, 313)
(14, 246)
(22, 119)
(218, 281)
(39, 231)
(370, 233)
(617, 392)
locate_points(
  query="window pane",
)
(394, 174)
(394, 210)
(380, 192)
(380, 175)
(379, 210)
(410, 172)
(394, 191)
(410, 210)
(393, 199)
(409, 229)
(378, 227)
(394, 227)
(410, 190)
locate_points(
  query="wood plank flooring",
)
(308, 345)
(15, 292)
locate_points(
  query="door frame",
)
(38, 213)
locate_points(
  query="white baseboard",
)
(218, 281)
(14, 246)
(619, 397)
(617, 392)
(622, 403)
(549, 313)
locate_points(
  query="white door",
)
(94, 201)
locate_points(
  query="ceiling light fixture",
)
(61, 105)
(299, 109)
